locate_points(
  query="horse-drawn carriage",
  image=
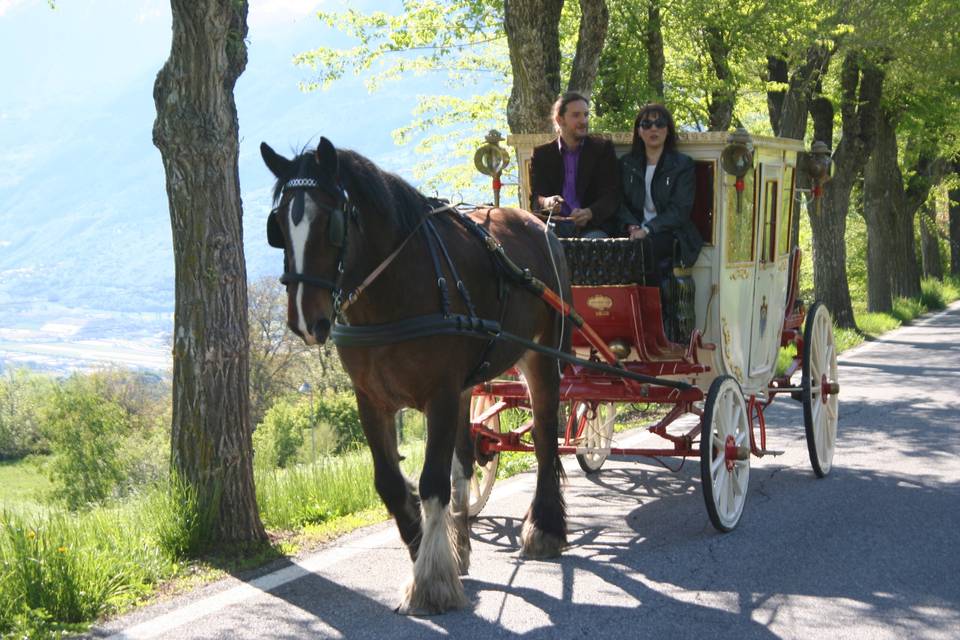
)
(428, 305)
(718, 327)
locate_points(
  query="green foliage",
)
(23, 483)
(60, 568)
(85, 429)
(874, 324)
(334, 486)
(339, 410)
(277, 439)
(22, 394)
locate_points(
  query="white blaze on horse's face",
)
(299, 234)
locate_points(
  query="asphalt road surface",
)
(872, 551)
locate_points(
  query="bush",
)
(21, 398)
(277, 439)
(86, 431)
(339, 410)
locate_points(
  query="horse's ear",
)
(278, 165)
(327, 157)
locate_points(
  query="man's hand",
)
(637, 233)
(581, 217)
(551, 203)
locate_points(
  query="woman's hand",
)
(637, 232)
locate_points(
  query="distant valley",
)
(86, 258)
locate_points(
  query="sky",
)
(84, 51)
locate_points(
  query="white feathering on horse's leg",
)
(436, 585)
(537, 543)
(460, 514)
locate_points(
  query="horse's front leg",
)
(462, 476)
(397, 493)
(544, 533)
(436, 585)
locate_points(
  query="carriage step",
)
(770, 452)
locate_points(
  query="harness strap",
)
(456, 324)
(350, 298)
(432, 241)
(471, 310)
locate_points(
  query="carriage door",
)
(774, 189)
(738, 273)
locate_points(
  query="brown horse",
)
(339, 218)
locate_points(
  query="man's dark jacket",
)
(673, 187)
(597, 179)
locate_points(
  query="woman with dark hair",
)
(658, 184)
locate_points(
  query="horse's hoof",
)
(432, 600)
(539, 544)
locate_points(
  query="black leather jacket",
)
(673, 186)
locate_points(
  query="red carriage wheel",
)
(820, 388)
(725, 453)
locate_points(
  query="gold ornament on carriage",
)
(491, 159)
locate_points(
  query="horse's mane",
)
(369, 187)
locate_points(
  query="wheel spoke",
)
(717, 463)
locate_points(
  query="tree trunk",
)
(721, 100)
(656, 61)
(196, 133)
(788, 110)
(882, 186)
(594, 18)
(930, 244)
(954, 234)
(861, 85)
(777, 70)
(533, 37)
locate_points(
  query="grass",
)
(23, 483)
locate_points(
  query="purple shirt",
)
(571, 160)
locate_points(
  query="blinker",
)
(274, 234)
(336, 228)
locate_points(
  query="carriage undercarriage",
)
(712, 404)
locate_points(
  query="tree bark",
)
(788, 110)
(653, 40)
(594, 19)
(861, 86)
(196, 133)
(533, 37)
(930, 244)
(882, 187)
(954, 233)
(721, 100)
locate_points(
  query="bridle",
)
(337, 231)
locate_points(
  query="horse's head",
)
(309, 224)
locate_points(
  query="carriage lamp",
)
(491, 159)
(737, 159)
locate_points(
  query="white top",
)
(649, 210)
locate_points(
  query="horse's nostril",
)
(320, 329)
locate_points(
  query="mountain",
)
(85, 242)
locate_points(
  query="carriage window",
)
(769, 230)
(786, 213)
(740, 220)
(703, 201)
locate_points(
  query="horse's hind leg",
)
(544, 533)
(436, 585)
(462, 475)
(397, 493)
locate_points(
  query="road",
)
(872, 551)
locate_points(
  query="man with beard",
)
(574, 178)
